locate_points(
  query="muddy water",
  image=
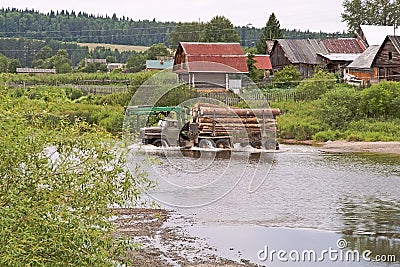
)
(295, 200)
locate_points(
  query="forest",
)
(87, 28)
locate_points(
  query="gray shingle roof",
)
(307, 50)
(366, 59)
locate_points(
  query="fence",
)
(101, 89)
(232, 99)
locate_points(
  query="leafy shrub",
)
(339, 106)
(289, 76)
(314, 87)
(293, 127)
(58, 184)
(73, 93)
(381, 100)
(327, 135)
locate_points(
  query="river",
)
(295, 207)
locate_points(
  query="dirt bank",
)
(165, 242)
(373, 147)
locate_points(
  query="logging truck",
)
(210, 126)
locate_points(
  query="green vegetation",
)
(370, 12)
(325, 110)
(61, 172)
(219, 29)
(63, 28)
(288, 77)
(271, 31)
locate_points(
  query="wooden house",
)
(378, 62)
(387, 60)
(210, 65)
(307, 54)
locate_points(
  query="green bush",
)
(313, 88)
(339, 106)
(294, 127)
(381, 100)
(58, 184)
(73, 93)
(328, 135)
(288, 77)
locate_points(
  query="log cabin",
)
(211, 66)
(387, 60)
(378, 62)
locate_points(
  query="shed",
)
(210, 65)
(362, 67)
(262, 62)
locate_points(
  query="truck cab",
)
(166, 133)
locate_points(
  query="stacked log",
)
(217, 120)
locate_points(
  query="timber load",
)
(214, 120)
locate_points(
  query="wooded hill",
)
(82, 27)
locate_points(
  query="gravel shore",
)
(372, 147)
(165, 243)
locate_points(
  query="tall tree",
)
(157, 50)
(185, 32)
(371, 12)
(272, 30)
(220, 29)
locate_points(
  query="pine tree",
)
(271, 31)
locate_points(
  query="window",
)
(390, 55)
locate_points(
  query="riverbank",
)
(371, 147)
(164, 241)
(341, 146)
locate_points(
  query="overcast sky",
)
(315, 15)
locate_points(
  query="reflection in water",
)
(372, 224)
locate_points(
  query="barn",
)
(211, 65)
(306, 54)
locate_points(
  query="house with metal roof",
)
(262, 62)
(307, 54)
(211, 65)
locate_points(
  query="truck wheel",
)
(160, 143)
(223, 143)
(271, 145)
(207, 143)
(256, 144)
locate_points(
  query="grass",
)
(120, 48)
